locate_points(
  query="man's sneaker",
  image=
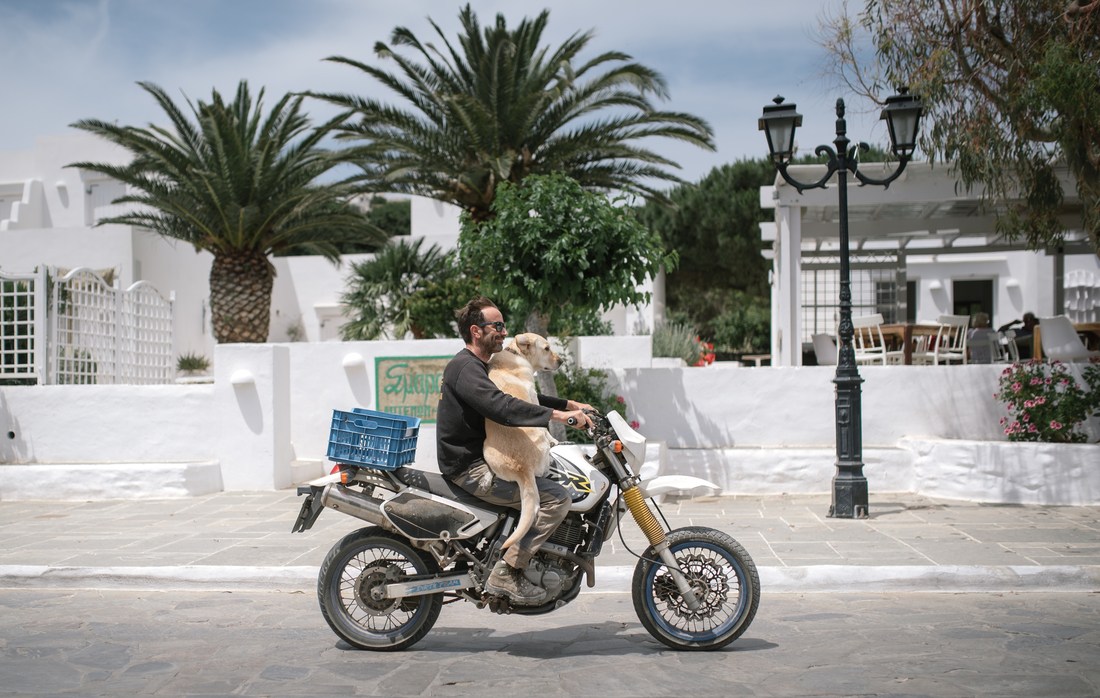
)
(506, 581)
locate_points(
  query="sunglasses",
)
(498, 325)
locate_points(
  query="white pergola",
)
(925, 211)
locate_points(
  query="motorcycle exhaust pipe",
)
(353, 503)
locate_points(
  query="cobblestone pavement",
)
(84, 642)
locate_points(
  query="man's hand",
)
(574, 418)
(574, 405)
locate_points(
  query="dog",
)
(520, 454)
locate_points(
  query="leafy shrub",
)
(678, 340)
(675, 340)
(743, 326)
(1045, 402)
(588, 385)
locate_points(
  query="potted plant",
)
(192, 364)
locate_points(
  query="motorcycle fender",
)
(428, 586)
(312, 506)
(666, 484)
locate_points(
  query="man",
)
(467, 398)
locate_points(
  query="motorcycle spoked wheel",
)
(350, 585)
(725, 581)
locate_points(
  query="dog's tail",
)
(528, 507)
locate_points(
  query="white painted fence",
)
(23, 325)
(102, 335)
(263, 424)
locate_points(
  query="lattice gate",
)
(23, 327)
(104, 335)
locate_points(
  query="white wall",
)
(107, 424)
(1022, 282)
(265, 422)
(175, 267)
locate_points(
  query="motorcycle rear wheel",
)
(363, 562)
(725, 581)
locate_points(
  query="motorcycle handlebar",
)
(593, 415)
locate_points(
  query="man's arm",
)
(491, 402)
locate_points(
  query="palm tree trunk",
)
(240, 296)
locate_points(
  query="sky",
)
(723, 60)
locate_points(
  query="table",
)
(1091, 330)
(758, 359)
(902, 334)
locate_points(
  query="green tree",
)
(500, 106)
(552, 245)
(239, 184)
(402, 290)
(394, 217)
(1011, 92)
(391, 217)
(714, 226)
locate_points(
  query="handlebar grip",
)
(572, 421)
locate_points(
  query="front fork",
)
(655, 533)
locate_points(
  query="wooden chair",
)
(949, 344)
(867, 339)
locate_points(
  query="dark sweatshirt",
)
(467, 398)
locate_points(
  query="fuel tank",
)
(585, 483)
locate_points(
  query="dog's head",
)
(536, 350)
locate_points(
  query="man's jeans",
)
(554, 503)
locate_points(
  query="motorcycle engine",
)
(547, 575)
(569, 532)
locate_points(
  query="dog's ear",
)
(523, 340)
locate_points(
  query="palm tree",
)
(385, 293)
(240, 185)
(502, 108)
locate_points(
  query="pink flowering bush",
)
(1046, 403)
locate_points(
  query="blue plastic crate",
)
(372, 439)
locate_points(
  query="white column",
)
(252, 399)
(787, 331)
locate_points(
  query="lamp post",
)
(779, 121)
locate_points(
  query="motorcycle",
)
(382, 587)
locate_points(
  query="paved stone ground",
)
(55, 642)
(244, 539)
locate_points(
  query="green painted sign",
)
(409, 385)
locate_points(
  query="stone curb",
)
(610, 579)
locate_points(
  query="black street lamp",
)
(902, 113)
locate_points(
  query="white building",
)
(920, 249)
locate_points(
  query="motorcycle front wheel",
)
(725, 582)
(351, 590)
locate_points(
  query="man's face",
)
(488, 338)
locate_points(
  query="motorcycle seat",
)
(439, 485)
